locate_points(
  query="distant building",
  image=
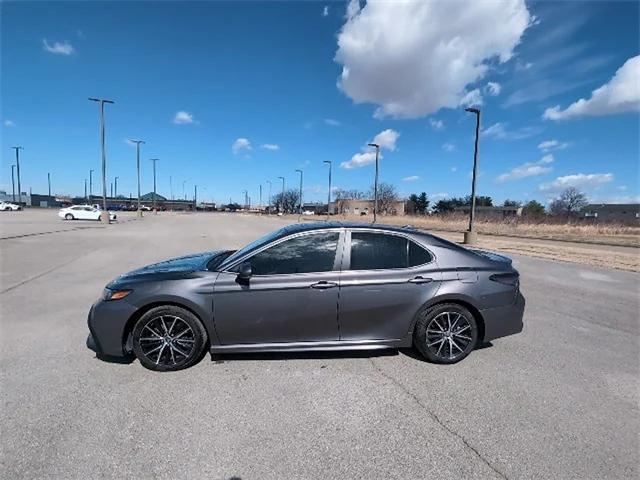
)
(494, 213)
(612, 212)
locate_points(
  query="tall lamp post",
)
(246, 196)
(104, 214)
(154, 160)
(471, 236)
(183, 191)
(115, 189)
(85, 190)
(300, 199)
(49, 184)
(17, 149)
(269, 204)
(282, 196)
(195, 198)
(329, 195)
(375, 183)
(90, 183)
(138, 142)
(13, 183)
(260, 205)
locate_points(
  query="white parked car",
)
(7, 206)
(308, 212)
(82, 212)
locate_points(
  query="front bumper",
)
(107, 321)
(504, 321)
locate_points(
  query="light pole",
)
(115, 190)
(138, 142)
(13, 183)
(282, 196)
(49, 183)
(300, 199)
(246, 194)
(329, 196)
(104, 214)
(269, 204)
(17, 149)
(195, 198)
(154, 160)
(375, 183)
(85, 189)
(471, 236)
(183, 191)
(260, 205)
(90, 184)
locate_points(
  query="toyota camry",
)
(320, 286)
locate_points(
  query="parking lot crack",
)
(437, 419)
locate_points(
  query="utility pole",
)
(13, 183)
(375, 184)
(138, 142)
(329, 196)
(49, 183)
(105, 214)
(471, 236)
(282, 196)
(115, 195)
(269, 204)
(300, 199)
(17, 149)
(90, 184)
(154, 160)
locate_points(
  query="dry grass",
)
(606, 234)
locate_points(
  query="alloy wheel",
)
(167, 340)
(448, 335)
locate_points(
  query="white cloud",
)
(621, 94)
(269, 146)
(332, 122)
(493, 89)
(9, 123)
(360, 160)
(414, 58)
(58, 48)
(183, 118)
(387, 139)
(448, 147)
(325, 11)
(472, 98)
(578, 180)
(549, 145)
(499, 131)
(454, 169)
(436, 124)
(529, 169)
(412, 178)
(240, 144)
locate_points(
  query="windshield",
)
(256, 244)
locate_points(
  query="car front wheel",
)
(68, 216)
(169, 338)
(445, 333)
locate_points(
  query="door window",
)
(376, 251)
(305, 254)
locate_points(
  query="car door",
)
(292, 295)
(386, 279)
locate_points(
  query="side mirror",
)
(245, 271)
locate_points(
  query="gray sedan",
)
(321, 286)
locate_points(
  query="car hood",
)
(173, 268)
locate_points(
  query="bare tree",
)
(287, 202)
(387, 198)
(342, 198)
(570, 202)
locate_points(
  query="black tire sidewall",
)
(426, 315)
(199, 332)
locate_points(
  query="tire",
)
(179, 344)
(445, 333)
(68, 216)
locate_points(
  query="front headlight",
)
(108, 295)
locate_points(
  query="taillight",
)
(509, 278)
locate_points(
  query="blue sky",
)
(290, 87)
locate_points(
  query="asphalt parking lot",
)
(559, 400)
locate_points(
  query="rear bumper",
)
(504, 321)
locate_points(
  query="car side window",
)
(378, 251)
(305, 254)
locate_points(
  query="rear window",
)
(377, 251)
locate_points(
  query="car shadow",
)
(310, 355)
(416, 355)
(119, 360)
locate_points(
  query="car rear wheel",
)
(68, 216)
(169, 338)
(446, 333)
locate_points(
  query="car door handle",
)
(420, 279)
(323, 285)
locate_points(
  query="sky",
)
(231, 95)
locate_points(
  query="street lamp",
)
(471, 236)
(260, 204)
(85, 189)
(375, 183)
(195, 198)
(90, 183)
(138, 142)
(49, 183)
(13, 183)
(104, 214)
(115, 190)
(154, 160)
(17, 149)
(300, 199)
(183, 191)
(269, 204)
(282, 196)
(246, 196)
(329, 196)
